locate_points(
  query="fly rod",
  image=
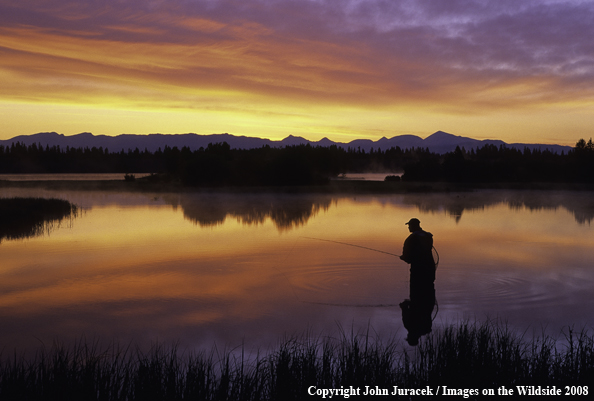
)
(435, 256)
(357, 246)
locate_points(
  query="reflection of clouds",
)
(580, 204)
(285, 211)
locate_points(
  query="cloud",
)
(451, 56)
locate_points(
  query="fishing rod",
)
(435, 257)
(357, 246)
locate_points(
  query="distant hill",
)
(439, 142)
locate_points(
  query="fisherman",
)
(418, 252)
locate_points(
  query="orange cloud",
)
(310, 59)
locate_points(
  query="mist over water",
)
(250, 268)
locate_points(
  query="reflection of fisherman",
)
(418, 252)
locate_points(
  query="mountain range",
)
(439, 142)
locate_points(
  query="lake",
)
(68, 177)
(250, 269)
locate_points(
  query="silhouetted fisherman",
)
(416, 311)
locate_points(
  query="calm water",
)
(67, 177)
(239, 269)
(367, 176)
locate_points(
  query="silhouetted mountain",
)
(442, 142)
(290, 141)
(439, 142)
(404, 141)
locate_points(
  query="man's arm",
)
(406, 250)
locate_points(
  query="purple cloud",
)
(376, 50)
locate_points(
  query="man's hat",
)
(413, 222)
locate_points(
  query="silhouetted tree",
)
(218, 164)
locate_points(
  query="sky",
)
(519, 71)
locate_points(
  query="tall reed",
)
(467, 355)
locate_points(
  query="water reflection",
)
(580, 203)
(289, 211)
(285, 211)
(417, 317)
(239, 268)
(29, 217)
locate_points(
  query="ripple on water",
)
(348, 284)
(507, 291)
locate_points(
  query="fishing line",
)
(352, 305)
(433, 249)
(435, 258)
(357, 246)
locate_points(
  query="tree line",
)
(218, 164)
(491, 163)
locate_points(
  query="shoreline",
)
(334, 187)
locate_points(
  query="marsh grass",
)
(468, 355)
(29, 217)
(487, 355)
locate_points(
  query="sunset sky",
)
(520, 71)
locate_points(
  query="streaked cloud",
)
(302, 57)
